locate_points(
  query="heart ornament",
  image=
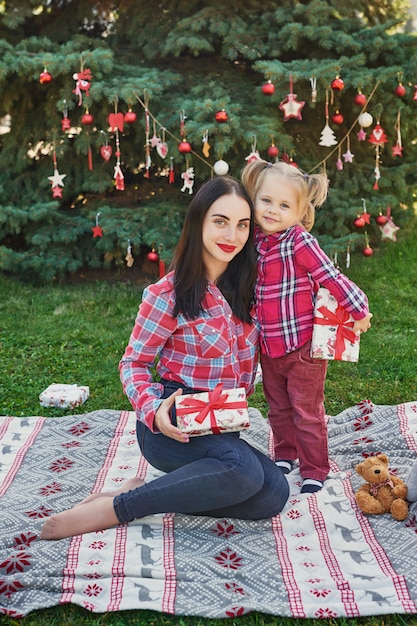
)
(106, 152)
(116, 120)
(162, 149)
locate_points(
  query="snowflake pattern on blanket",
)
(320, 558)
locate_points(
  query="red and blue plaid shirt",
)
(214, 348)
(291, 267)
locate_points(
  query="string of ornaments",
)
(291, 109)
(378, 138)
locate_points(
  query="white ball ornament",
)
(221, 168)
(365, 119)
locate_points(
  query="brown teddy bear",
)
(383, 492)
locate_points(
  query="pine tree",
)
(175, 66)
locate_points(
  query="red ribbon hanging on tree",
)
(216, 401)
(171, 177)
(340, 319)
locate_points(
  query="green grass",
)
(77, 333)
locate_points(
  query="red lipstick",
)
(226, 248)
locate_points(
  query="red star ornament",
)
(291, 107)
(65, 123)
(97, 231)
(56, 192)
(378, 136)
(397, 150)
(366, 217)
(361, 135)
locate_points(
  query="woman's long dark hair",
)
(190, 283)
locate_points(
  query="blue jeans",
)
(211, 475)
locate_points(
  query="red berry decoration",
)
(45, 77)
(337, 118)
(221, 116)
(337, 84)
(268, 88)
(273, 151)
(400, 90)
(153, 256)
(367, 251)
(130, 117)
(184, 147)
(87, 119)
(381, 219)
(360, 99)
(359, 222)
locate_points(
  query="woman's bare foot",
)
(95, 515)
(131, 483)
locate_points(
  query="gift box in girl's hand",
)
(333, 337)
(212, 412)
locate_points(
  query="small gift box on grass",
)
(333, 337)
(212, 412)
(64, 396)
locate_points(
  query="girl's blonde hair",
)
(312, 188)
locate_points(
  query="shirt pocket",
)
(248, 337)
(213, 338)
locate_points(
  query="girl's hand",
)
(361, 326)
(162, 419)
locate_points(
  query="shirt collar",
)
(275, 237)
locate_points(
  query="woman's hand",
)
(162, 419)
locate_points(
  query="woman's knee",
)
(237, 454)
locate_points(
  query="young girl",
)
(196, 326)
(291, 267)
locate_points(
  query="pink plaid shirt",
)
(214, 348)
(291, 267)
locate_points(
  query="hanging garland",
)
(291, 108)
(347, 134)
(180, 140)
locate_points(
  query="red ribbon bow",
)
(343, 327)
(373, 487)
(216, 401)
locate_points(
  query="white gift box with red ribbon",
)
(212, 412)
(64, 396)
(333, 337)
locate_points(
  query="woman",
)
(196, 323)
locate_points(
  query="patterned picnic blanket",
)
(319, 558)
